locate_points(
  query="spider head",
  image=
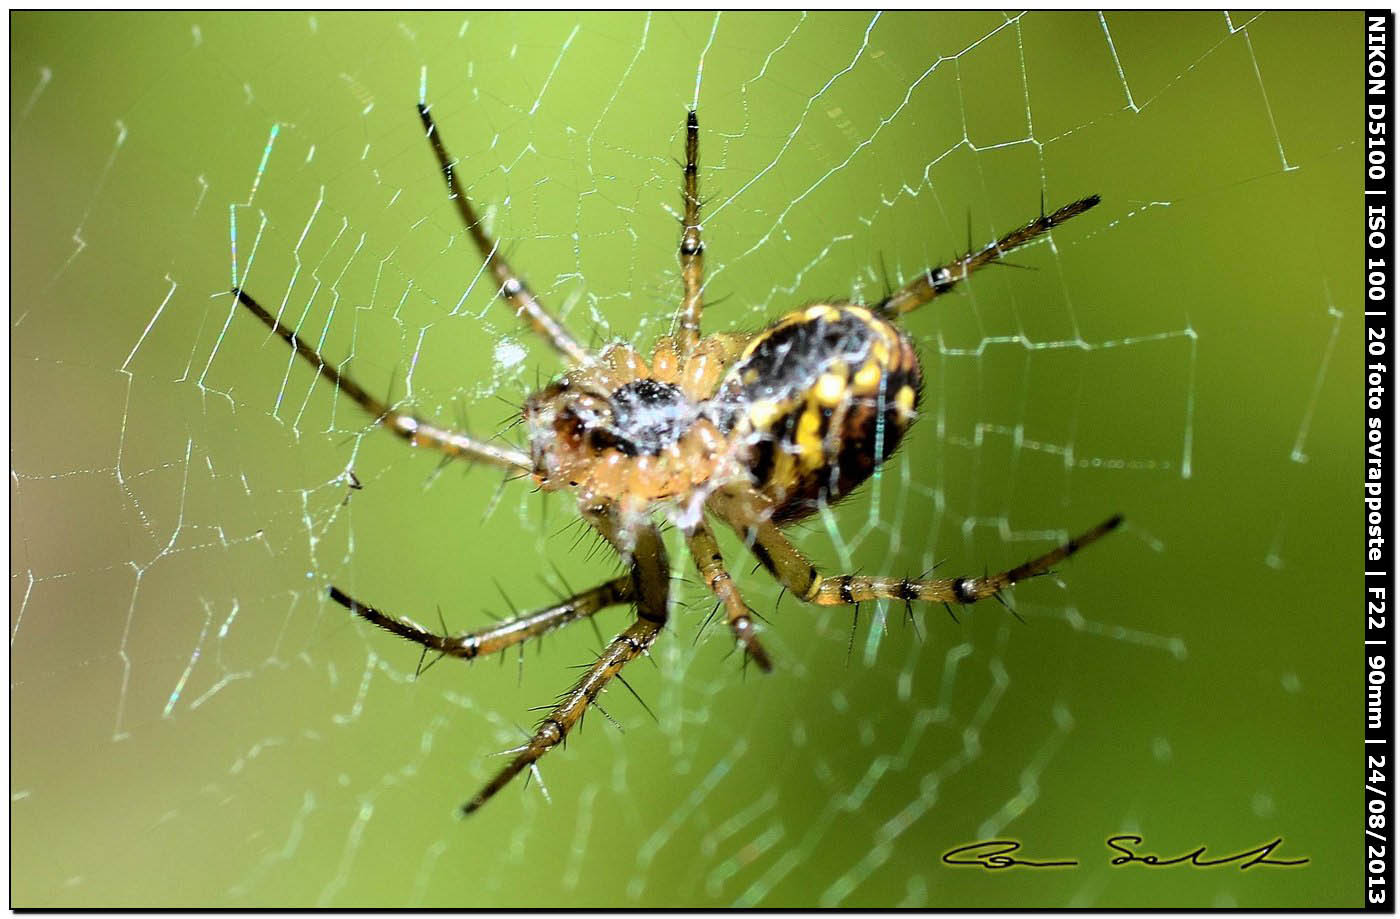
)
(565, 421)
(579, 429)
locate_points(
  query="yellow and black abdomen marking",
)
(819, 400)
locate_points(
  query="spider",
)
(758, 430)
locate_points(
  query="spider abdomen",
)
(819, 400)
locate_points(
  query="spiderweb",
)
(195, 724)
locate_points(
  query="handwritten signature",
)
(996, 854)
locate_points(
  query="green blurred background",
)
(193, 723)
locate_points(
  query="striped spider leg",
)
(705, 551)
(692, 254)
(649, 587)
(793, 570)
(416, 431)
(939, 280)
(646, 584)
(503, 635)
(512, 287)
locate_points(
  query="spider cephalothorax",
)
(625, 431)
(756, 430)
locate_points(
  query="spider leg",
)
(417, 432)
(498, 637)
(650, 583)
(512, 287)
(692, 254)
(795, 572)
(705, 550)
(845, 589)
(940, 280)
